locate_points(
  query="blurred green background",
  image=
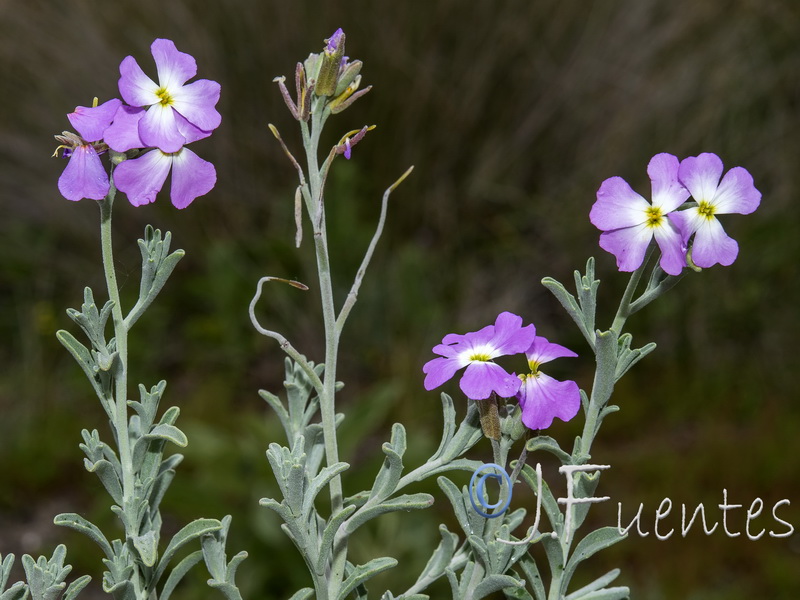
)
(513, 113)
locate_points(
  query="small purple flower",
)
(541, 397)
(629, 222)
(475, 351)
(172, 107)
(84, 176)
(143, 177)
(734, 194)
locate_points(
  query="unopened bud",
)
(348, 74)
(331, 62)
(512, 425)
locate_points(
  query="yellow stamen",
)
(164, 96)
(654, 216)
(706, 209)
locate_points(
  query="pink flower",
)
(141, 178)
(475, 351)
(175, 112)
(541, 397)
(629, 222)
(84, 176)
(734, 194)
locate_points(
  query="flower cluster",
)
(540, 397)
(329, 83)
(629, 222)
(155, 124)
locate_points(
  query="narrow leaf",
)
(76, 586)
(179, 572)
(589, 546)
(597, 584)
(495, 583)
(364, 572)
(190, 532)
(77, 522)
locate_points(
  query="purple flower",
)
(175, 112)
(734, 194)
(475, 351)
(629, 222)
(541, 397)
(143, 177)
(84, 176)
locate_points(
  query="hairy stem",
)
(316, 210)
(120, 420)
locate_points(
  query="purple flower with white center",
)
(734, 194)
(541, 397)
(475, 351)
(143, 177)
(84, 176)
(629, 222)
(172, 107)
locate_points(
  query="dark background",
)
(513, 113)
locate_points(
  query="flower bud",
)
(349, 72)
(330, 64)
(512, 425)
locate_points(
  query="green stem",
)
(316, 210)
(120, 420)
(121, 337)
(605, 348)
(624, 310)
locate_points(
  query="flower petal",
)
(617, 206)
(509, 335)
(712, 245)
(474, 338)
(453, 338)
(143, 177)
(668, 192)
(445, 350)
(542, 351)
(439, 370)
(174, 67)
(196, 102)
(543, 398)
(482, 378)
(687, 221)
(136, 88)
(84, 176)
(191, 177)
(628, 245)
(736, 193)
(700, 174)
(123, 134)
(159, 129)
(669, 240)
(91, 122)
(189, 132)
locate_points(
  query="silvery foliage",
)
(45, 578)
(486, 555)
(136, 474)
